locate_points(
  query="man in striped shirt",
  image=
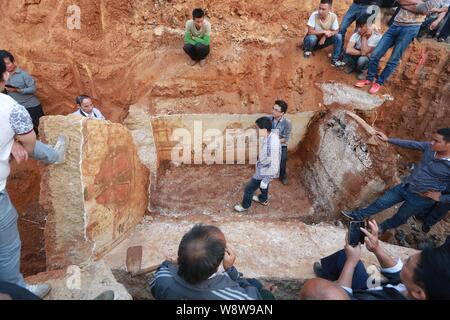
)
(195, 276)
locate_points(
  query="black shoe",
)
(425, 228)
(318, 271)
(285, 181)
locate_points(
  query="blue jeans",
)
(9, 242)
(250, 189)
(398, 37)
(333, 265)
(412, 203)
(45, 153)
(432, 216)
(353, 13)
(310, 43)
(357, 63)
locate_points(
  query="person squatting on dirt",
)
(420, 190)
(197, 37)
(267, 166)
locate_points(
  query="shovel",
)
(134, 261)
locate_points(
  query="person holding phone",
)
(423, 276)
(22, 88)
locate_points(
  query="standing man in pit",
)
(197, 37)
(87, 109)
(267, 166)
(22, 88)
(283, 126)
(17, 141)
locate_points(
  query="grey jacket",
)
(283, 128)
(432, 174)
(25, 83)
(229, 285)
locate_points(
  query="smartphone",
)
(10, 86)
(355, 235)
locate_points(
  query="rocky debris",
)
(346, 95)
(81, 282)
(341, 169)
(265, 249)
(95, 197)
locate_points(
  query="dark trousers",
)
(265, 294)
(36, 113)
(333, 265)
(432, 216)
(413, 203)
(17, 292)
(196, 52)
(250, 189)
(284, 157)
(445, 30)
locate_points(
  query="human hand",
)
(19, 153)
(263, 185)
(435, 195)
(382, 136)
(434, 25)
(11, 89)
(229, 258)
(353, 254)
(371, 238)
(322, 40)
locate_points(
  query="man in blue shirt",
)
(420, 190)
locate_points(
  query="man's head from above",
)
(9, 60)
(200, 253)
(440, 141)
(321, 289)
(325, 8)
(264, 126)
(199, 17)
(362, 24)
(84, 102)
(279, 109)
(426, 275)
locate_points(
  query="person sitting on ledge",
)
(86, 108)
(196, 277)
(424, 276)
(197, 37)
(323, 31)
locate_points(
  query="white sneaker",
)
(256, 199)
(239, 208)
(61, 147)
(40, 290)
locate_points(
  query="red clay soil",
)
(214, 190)
(23, 188)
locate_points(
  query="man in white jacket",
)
(267, 166)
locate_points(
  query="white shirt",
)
(95, 114)
(373, 40)
(312, 21)
(14, 120)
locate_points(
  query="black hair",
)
(200, 253)
(2, 69)
(330, 2)
(80, 98)
(445, 132)
(362, 20)
(283, 105)
(198, 13)
(6, 55)
(432, 273)
(264, 123)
